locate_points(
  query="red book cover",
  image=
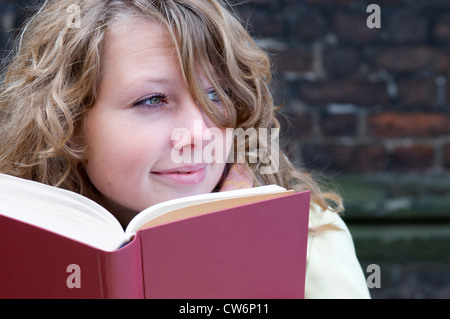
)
(35, 263)
(255, 250)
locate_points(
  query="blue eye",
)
(154, 101)
(213, 96)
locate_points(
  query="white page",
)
(60, 211)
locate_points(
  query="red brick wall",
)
(361, 100)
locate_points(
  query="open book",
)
(248, 243)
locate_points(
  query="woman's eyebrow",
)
(152, 80)
(138, 86)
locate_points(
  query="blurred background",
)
(368, 108)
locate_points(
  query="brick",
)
(296, 125)
(441, 63)
(441, 31)
(280, 90)
(13, 14)
(333, 125)
(355, 91)
(447, 88)
(258, 22)
(346, 158)
(370, 158)
(417, 92)
(329, 157)
(385, 4)
(414, 158)
(298, 59)
(352, 26)
(308, 25)
(421, 124)
(406, 26)
(329, 2)
(341, 61)
(8, 16)
(446, 156)
(408, 59)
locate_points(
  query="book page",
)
(60, 211)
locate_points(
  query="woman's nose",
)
(188, 133)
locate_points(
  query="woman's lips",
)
(189, 175)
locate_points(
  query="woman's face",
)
(142, 99)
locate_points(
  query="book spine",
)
(121, 272)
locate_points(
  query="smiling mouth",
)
(182, 170)
(183, 175)
(176, 173)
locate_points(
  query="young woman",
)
(92, 106)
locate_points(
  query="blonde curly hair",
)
(52, 83)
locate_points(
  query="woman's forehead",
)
(139, 39)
